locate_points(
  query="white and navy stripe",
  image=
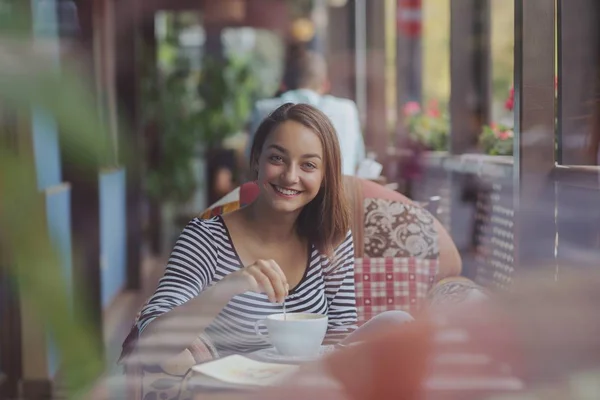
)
(204, 254)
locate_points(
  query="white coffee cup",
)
(295, 334)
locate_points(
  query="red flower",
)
(433, 109)
(510, 102)
(504, 135)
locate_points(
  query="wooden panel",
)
(376, 133)
(534, 130)
(84, 196)
(469, 72)
(127, 53)
(10, 334)
(340, 55)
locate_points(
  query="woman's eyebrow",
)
(311, 155)
(277, 147)
(284, 151)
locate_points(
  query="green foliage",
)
(27, 82)
(194, 111)
(497, 140)
(227, 91)
(168, 101)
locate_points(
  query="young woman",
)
(291, 243)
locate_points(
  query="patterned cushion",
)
(397, 229)
(385, 284)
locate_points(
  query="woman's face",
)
(290, 167)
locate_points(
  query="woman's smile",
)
(285, 192)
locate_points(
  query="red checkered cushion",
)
(385, 284)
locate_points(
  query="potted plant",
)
(429, 127)
(226, 90)
(497, 140)
(193, 114)
(428, 132)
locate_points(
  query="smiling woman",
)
(291, 244)
(297, 145)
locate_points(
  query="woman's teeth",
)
(287, 192)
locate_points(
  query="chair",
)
(405, 259)
(377, 213)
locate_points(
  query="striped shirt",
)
(204, 254)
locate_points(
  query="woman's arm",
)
(173, 331)
(186, 302)
(340, 292)
(183, 303)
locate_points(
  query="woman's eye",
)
(276, 158)
(310, 166)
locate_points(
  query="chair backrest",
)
(385, 222)
(393, 237)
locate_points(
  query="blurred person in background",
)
(307, 82)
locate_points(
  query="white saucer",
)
(271, 354)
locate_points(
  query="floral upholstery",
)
(396, 229)
(386, 223)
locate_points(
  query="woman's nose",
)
(290, 175)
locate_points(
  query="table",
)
(437, 388)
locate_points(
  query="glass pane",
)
(579, 81)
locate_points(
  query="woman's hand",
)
(264, 276)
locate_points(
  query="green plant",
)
(430, 127)
(227, 90)
(167, 107)
(193, 111)
(497, 140)
(26, 82)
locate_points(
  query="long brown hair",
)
(324, 221)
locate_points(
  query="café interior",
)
(482, 115)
